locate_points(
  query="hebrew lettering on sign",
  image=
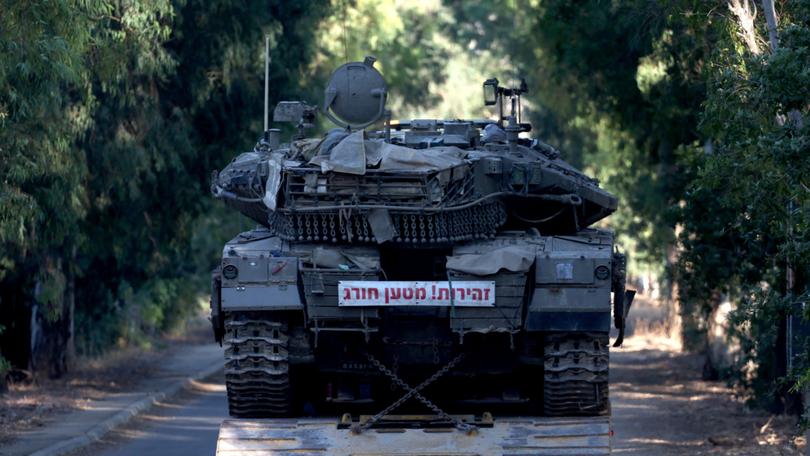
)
(380, 293)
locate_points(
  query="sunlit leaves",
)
(746, 216)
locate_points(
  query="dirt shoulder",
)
(662, 406)
(31, 404)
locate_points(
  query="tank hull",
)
(309, 329)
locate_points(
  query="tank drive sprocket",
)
(257, 367)
(576, 374)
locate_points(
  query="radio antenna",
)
(266, 82)
(345, 35)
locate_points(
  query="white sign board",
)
(385, 294)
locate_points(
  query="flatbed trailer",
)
(513, 436)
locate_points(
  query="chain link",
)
(324, 223)
(365, 230)
(394, 369)
(414, 392)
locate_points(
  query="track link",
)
(257, 367)
(575, 374)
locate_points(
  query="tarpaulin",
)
(273, 184)
(513, 258)
(391, 157)
(331, 258)
(348, 156)
(352, 155)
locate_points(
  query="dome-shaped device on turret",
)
(355, 95)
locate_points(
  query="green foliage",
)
(51, 291)
(112, 115)
(41, 96)
(747, 210)
(186, 104)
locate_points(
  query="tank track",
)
(576, 374)
(257, 367)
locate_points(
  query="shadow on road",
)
(185, 425)
(661, 406)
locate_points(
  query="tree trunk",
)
(746, 14)
(771, 19)
(52, 343)
(70, 312)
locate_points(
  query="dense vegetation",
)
(113, 114)
(695, 115)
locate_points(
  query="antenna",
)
(266, 82)
(345, 38)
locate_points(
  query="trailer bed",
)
(522, 436)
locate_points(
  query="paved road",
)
(660, 407)
(186, 425)
(170, 370)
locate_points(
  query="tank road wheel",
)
(257, 368)
(575, 374)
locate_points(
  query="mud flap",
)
(215, 316)
(621, 307)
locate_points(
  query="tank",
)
(458, 255)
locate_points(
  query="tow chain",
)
(414, 392)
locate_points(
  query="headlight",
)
(230, 272)
(602, 272)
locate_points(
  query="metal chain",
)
(414, 392)
(406, 232)
(479, 222)
(345, 220)
(299, 227)
(365, 229)
(394, 369)
(323, 227)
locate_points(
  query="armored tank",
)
(455, 254)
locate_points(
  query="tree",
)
(746, 213)
(43, 111)
(113, 115)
